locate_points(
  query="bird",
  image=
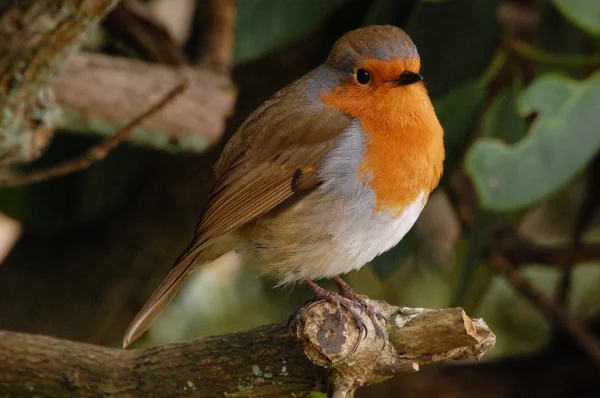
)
(328, 173)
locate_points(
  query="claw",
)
(339, 311)
(348, 305)
(352, 302)
(373, 314)
(363, 327)
(292, 322)
(381, 335)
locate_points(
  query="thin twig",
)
(580, 334)
(532, 53)
(564, 286)
(587, 211)
(96, 153)
(522, 251)
(506, 239)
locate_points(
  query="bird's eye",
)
(362, 76)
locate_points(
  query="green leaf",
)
(458, 113)
(583, 13)
(265, 25)
(502, 119)
(456, 40)
(560, 143)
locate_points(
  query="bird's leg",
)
(374, 315)
(339, 301)
(345, 289)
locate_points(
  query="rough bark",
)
(35, 39)
(414, 337)
(261, 363)
(264, 362)
(99, 93)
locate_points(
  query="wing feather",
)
(271, 161)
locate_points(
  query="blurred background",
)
(512, 235)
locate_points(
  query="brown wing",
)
(271, 160)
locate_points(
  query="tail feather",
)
(159, 300)
(196, 254)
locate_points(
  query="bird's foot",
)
(353, 303)
(331, 297)
(292, 322)
(339, 301)
(374, 314)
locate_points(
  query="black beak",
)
(407, 78)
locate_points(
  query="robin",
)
(330, 172)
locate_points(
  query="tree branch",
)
(99, 93)
(522, 251)
(94, 154)
(35, 39)
(580, 334)
(266, 361)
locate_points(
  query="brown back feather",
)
(271, 161)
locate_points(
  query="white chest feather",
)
(363, 234)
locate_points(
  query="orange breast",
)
(404, 140)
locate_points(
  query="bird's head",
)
(377, 73)
(376, 56)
